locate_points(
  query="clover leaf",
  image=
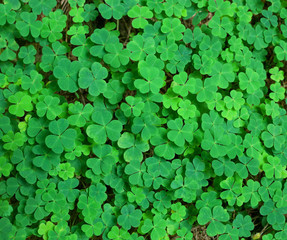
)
(216, 217)
(180, 133)
(104, 127)
(140, 14)
(112, 8)
(21, 104)
(129, 217)
(156, 226)
(62, 138)
(134, 147)
(34, 83)
(49, 107)
(67, 74)
(29, 25)
(93, 79)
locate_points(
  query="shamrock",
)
(114, 91)
(42, 6)
(215, 141)
(112, 8)
(215, 217)
(220, 27)
(135, 171)
(152, 82)
(134, 147)
(249, 81)
(167, 49)
(35, 206)
(235, 101)
(34, 83)
(246, 165)
(9, 46)
(204, 90)
(27, 54)
(275, 216)
(221, 7)
(101, 38)
(180, 84)
(244, 224)
(129, 217)
(243, 14)
(223, 74)
(272, 109)
(104, 162)
(50, 56)
(253, 145)
(250, 193)
(7, 14)
(178, 212)
(174, 8)
(186, 109)
(222, 165)
(157, 225)
(140, 47)
(134, 106)
(117, 234)
(49, 107)
(93, 79)
(93, 228)
(62, 138)
(76, 13)
(116, 55)
(278, 93)
(6, 167)
(173, 28)
(13, 141)
(6, 227)
(180, 133)
(53, 25)
(140, 14)
(276, 74)
(29, 24)
(133, 119)
(255, 36)
(83, 43)
(280, 51)
(273, 168)
(104, 127)
(67, 74)
(67, 187)
(185, 188)
(269, 19)
(90, 13)
(22, 104)
(79, 114)
(273, 137)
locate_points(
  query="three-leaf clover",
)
(130, 217)
(215, 217)
(104, 127)
(63, 137)
(180, 133)
(93, 79)
(140, 14)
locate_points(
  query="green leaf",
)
(216, 217)
(62, 138)
(130, 217)
(140, 14)
(93, 79)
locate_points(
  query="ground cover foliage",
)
(143, 119)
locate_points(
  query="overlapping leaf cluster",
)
(143, 119)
